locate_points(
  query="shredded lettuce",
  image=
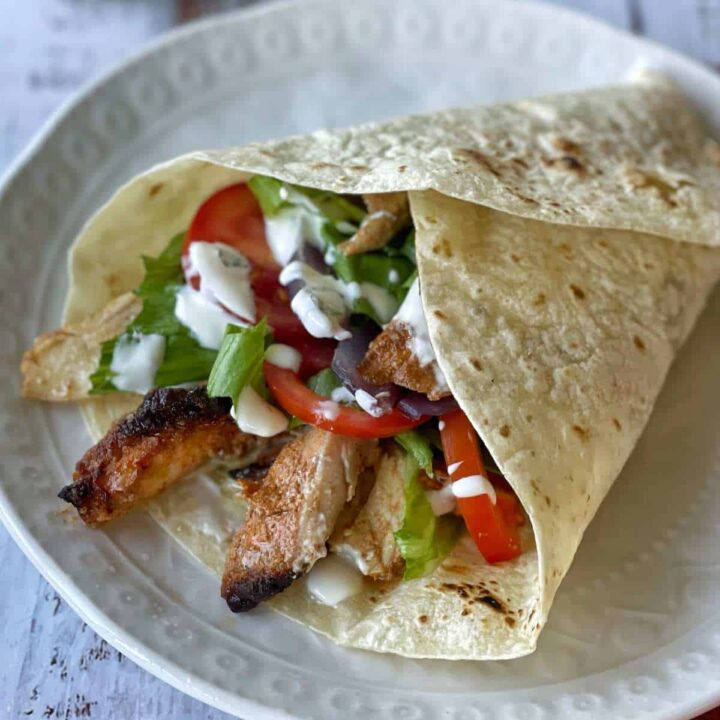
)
(239, 362)
(184, 360)
(424, 539)
(340, 218)
(324, 382)
(419, 447)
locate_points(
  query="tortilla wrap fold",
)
(565, 248)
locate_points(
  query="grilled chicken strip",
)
(293, 513)
(390, 359)
(173, 432)
(388, 213)
(59, 364)
(370, 541)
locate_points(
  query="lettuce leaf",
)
(424, 539)
(185, 360)
(419, 447)
(239, 362)
(390, 267)
(324, 382)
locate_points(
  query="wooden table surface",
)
(51, 664)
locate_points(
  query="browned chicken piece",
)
(388, 214)
(173, 432)
(370, 541)
(292, 515)
(390, 359)
(60, 362)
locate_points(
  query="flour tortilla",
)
(565, 247)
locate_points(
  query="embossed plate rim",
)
(160, 665)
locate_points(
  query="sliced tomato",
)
(233, 216)
(493, 526)
(299, 400)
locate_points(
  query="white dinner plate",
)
(635, 630)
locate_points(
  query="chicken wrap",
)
(409, 359)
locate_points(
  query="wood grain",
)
(51, 664)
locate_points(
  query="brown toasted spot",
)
(581, 432)
(423, 619)
(539, 299)
(529, 418)
(639, 344)
(566, 163)
(479, 158)
(505, 431)
(439, 314)
(476, 364)
(465, 612)
(548, 502)
(641, 180)
(617, 424)
(155, 189)
(565, 249)
(372, 599)
(358, 167)
(515, 258)
(519, 162)
(402, 168)
(648, 266)
(566, 146)
(527, 200)
(322, 165)
(510, 621)
(578, 292)
(492, 601)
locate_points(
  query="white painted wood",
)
(51, 664)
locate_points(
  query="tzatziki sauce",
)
(255, 416)
(412, 314)
(284, 356)
(135, 362)
(472, 486)
(333, 580)
(224, 276)
(205, 319)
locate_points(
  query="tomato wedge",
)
(493, 526)
(233, 216)
(299, 400)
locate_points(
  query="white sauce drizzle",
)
(441, 425)
(452, 469)
(472, 486)
(368, 403)
(329, 410)
(353, 555)
(393, 276)
(325, 301)
(205, 319)
(255, 416)
(342, 395)
(442, 501)
(289, 229)
(412, 314)
(284, 356)
(224, 276)
(333, 580)
(136, 360)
